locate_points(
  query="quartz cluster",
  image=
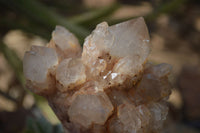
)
(108, 87)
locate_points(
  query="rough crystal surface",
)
(110, 87)
(70, 72)
(96, 112)
(39, 63)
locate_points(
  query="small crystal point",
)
(64, 39)
(65, 43)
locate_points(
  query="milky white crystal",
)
(155, 85)
(129, 117)
(39, 63)
(70, 72)
(64, 39)
(88, 109)
(65, 43)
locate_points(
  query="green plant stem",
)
(165, 8)
(38, 12)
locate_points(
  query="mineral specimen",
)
(110, 88)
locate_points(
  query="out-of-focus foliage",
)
(39, 124)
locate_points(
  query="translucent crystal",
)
(159, 112)
(160, 70)
(122, 67)
(129, 117)
(39, 64)
(124, 46)
(88, 109)
(134, 119)
(65, 43)
(153, 86)
(70, 72)
(118, 97)
(138, 119)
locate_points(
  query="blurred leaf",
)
(38, 12)
(58, 129)
(14, 62)
(27, 26)
(39, 124)
(164, 8)
(44, 125)
(32, 126)
(99, 14)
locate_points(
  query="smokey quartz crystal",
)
(109, 86)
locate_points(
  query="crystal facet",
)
(70, 72)
(39, 64)
(96, 112)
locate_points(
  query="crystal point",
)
(119, 46)
(65, 43)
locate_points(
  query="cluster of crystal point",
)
(109, 87)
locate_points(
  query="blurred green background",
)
(174, 27)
